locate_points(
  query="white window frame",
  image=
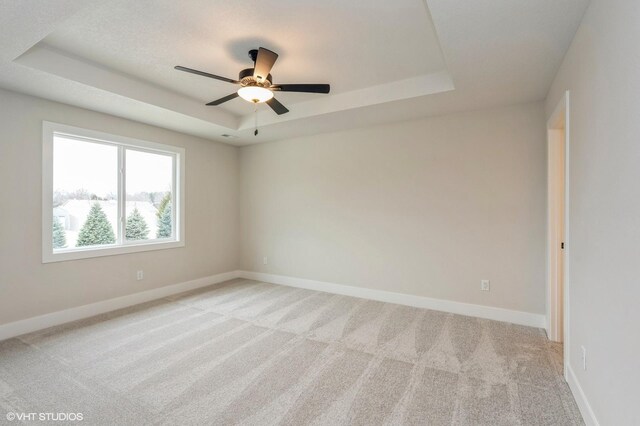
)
(123, 246)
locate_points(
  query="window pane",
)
(85, 193)
(149, 180)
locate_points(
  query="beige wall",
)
(602, 72)
(426, 207)
(29, 288)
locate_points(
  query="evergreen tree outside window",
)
(59, 236)
(164, 222)
(96, 230)
(137, 228)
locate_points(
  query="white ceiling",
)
(386, 61)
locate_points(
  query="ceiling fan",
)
(256, 84)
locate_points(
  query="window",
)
(105, 194)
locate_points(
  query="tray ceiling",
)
(386, 61)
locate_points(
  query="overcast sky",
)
(94, 167)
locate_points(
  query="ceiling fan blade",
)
(306, 88)
(264, 63)
(205, 74)
(223, 100)
(277, 106)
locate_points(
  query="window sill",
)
(76, 254)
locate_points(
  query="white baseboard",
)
(28, 325)
(60, 317)
(581, 399)
(480, 311)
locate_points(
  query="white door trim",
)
(559, 119)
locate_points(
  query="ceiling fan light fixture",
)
(255, 94)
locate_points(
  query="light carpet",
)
(252, 353)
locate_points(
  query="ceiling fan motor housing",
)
(246, 79)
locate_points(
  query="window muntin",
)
(106, 194)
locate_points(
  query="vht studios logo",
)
(44, 417)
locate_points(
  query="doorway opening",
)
(557, 224)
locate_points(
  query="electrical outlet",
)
(485, 285)
(265, 260)
(584, 358)
(139, 275)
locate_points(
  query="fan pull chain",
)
(255, 113)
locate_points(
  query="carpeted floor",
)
(259, 354)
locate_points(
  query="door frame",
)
(558, 126)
